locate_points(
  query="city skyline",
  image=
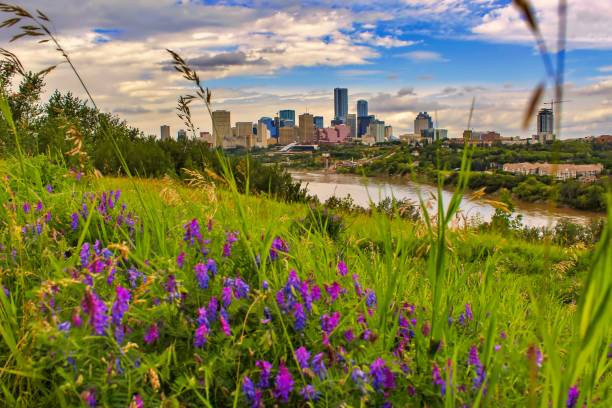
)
(403, 57)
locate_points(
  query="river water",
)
(363, 190)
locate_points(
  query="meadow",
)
(128, 292)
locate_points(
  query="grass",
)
(529, 292)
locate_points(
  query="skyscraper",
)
(222, 128)
(351, 122)
(287, 117)
(181, 135)
(340, 104)
(306, 130)
(270, 124)
(362, 108)
(362, 124)
(165, 132)
(244, 134)
(388, 132)
(545, 121)
(376, 129)
(422, 122)
(318, 122)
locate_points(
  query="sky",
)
(262, 56)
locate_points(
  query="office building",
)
(422, 122)
(318, 122)
(376, 129)
(545, 125)
(351, 122)
(244, 134)
(363, 123)
(222, 128)
(362, 108)
(270, 125)
(287, 115)
(340, 105)
(207, 137)
(388, 132)
(181, 135)
(432, 135)
(165, 132)
(334, 135)
(288, 135)
(306, 129)
(263, 134)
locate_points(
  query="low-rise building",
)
(562, 171)
(334, 135)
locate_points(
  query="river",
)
(362, 190)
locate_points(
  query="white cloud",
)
(387, 41)
(425, 56)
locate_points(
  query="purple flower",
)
(152, 334)
(180, 260)
(96, 309)
(226, 296)
(89, 397)
(437, 379)
(27, 207)
(121, 304)
(64, 326)
(309, 393)
(231, 237)
(283, 384)
(264, 375)
(334, 290)
(318, 365)
(201, 272)
(475, 362)
(370, 298)
(241, 288)
(171, 286)
(572, 397)
(377, 373)
(303, 356)
(329, 323)
(211, 309)
(211, 265)
(137, 401)
(300, 317)
(49, 188)
(342, 269)
(201, 334)
(224, 324)
(192, 232)
(39, 206)
(278, 245)
(349, 336)
(84, 255)
(359, 378)
(253, 395)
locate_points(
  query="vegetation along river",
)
(363, 190)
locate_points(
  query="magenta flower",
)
(152, 334)
(264, 375)
(303, 356)
(225, 325)
(27, 207)
(342, 268)
(329, 323)
(283, 384)
(96, 309)
(253, 395)
(334, 290)
(437, 379)
(201, 335)
(180, 260)
(89, 398)
(572, 397)
(137, 401)
(226, 296)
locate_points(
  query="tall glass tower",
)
(340, 104)
(362, 108)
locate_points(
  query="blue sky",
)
(264, 55)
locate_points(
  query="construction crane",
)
(552, 104)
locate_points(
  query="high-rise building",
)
(270, 124)
(318, 122)
(423, 121)
(207, 137)
(244, 133)
(181, 135)
(222, 128)
(545, 121)
(340, 104)
(306, 130)
(165, 132)
(351, 122)
(388, 132)
(376, 129)
(263, 133)
(363, 123)
(287, 117)
(287, 135)
(362, 108)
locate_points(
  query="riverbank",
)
(375, 188)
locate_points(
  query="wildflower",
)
(152, 334)
(265, 285)
(474, 361)
(300, 316)
(211, 309)
(64, 326)
(359, 378)
(27, 207)
(437, 379)
(201, 272)
(39, 206)
(283, 384)
(357, 285)
(370, 298)
(137, 401)
(318, 365)
(303, 356)
(572, 397)
(264, 376)
(192, 232)
(267, 316)
(342, 269)
(76, 319)
(329, 323)
(226, 296)
(201, 334)
(211, 266)
(241, 288)
(253, 395)
(171, 287)
(180, 260)
(121, 304)
(96, 309)
(349, 336)
(278, 246)
(224, 324)
(309, 393)
(334, 290)
(89, 398)
(85, 254)
(377, 373)
(49, 188)
(231, 237)
(6, 292)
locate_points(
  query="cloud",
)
(224, 60)
(132, 110)
(605, 69)
(424, 56)
(588, 24)
(406, 91)
(368, 37)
